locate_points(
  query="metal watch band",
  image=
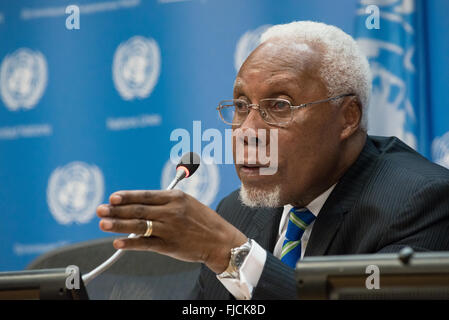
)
(232, 271)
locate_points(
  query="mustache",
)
(259, 149)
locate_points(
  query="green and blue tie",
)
(297, 224)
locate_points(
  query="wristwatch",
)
(238, 256)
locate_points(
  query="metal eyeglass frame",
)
(256, 106)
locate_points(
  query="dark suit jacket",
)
(389, 198)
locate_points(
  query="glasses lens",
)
(227, 114)
(241, 107)
(233, 111)
(278, 110)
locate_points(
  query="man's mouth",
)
(251, 169)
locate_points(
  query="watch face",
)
(240, 257)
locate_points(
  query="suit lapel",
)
(325, 227)
(264, 226)
(341, 200)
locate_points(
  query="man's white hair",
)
(344, 68)
(260, 198)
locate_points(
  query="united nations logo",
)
(203, 185)
(391, 57)
(246, 44)
(23, 78)
(440, 150)
(136, 67)
(74, 191)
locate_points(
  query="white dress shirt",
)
(252, 267)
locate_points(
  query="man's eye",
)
(280, 106)
(240, 106)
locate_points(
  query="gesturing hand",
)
(183, 227)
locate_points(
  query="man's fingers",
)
(132, 211)
(136, 226)
(154, 197)
(139, 243)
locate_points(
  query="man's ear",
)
(351, 117)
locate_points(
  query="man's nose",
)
(254, 120)
(249, 131)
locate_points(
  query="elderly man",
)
(335, 191)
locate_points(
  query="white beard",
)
(260, 198)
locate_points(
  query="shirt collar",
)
(314, 206)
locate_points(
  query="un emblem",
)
(246, 44)
(23, 78)
(136, 67)
(440, 150)
(74, 191)
(203, 185)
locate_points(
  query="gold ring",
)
(149, 228)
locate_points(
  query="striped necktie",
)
(297, 224)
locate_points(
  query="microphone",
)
(186, 167)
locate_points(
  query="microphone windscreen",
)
(190, 161)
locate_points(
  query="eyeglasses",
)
(272, 111)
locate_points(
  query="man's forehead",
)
(277, 62)
(281, 53)
(270, 79)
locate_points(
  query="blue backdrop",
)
(89, 111)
